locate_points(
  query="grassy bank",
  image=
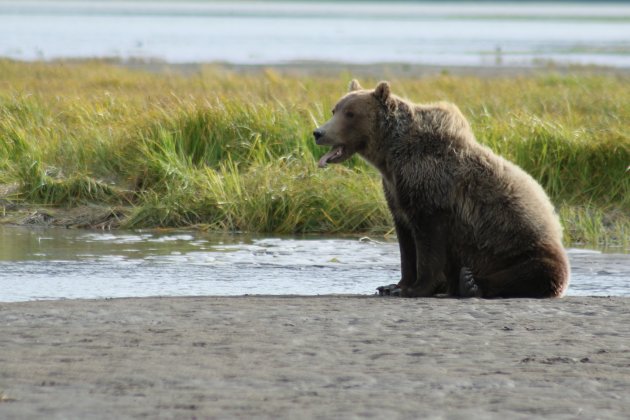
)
(233, 151)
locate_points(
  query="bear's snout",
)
(318, 134)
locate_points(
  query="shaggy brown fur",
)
(469, 222)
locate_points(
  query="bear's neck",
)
(392, 126)
(376, 156)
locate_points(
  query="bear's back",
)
(493, 202)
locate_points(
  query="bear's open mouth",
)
(335, 154)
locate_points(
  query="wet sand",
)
(315, 357)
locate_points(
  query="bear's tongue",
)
(334, 153)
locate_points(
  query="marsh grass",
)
(229, 151)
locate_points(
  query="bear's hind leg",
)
(535, 277)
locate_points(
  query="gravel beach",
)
(315, 357)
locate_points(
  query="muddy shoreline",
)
(315, 357)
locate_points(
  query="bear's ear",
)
(382, 91)
(354, 85)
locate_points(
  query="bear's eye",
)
(349, 114)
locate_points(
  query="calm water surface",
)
(438, 33)
(64, 264)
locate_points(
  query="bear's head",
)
(354, 122)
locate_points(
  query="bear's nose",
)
(318, 134)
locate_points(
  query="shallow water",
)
(40, 263)
(438, 33)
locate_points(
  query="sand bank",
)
(322, 357)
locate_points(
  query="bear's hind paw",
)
(467, 285)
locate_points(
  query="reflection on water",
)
(58, 264)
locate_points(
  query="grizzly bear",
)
(469, 223)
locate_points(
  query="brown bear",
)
(469, 223)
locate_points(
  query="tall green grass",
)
(229, 151)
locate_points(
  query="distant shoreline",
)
(333, 68)
(379, 69)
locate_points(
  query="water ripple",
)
(74, 264)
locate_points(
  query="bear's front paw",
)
(389, 290)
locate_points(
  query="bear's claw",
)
(389, 290)
(467, 285)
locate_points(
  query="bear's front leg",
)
(408, 263)
(431, 245)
